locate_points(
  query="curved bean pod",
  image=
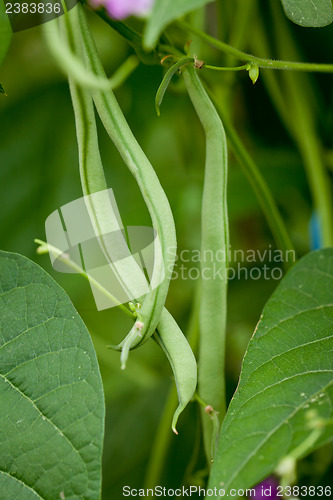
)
(169, 335)
(181, 358)
(152, 192)
(215, 237)
(90, 163)
(92, 175)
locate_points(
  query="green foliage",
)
(164, 12)
(39, 173)
(309, 13)
(286, 379)
(52, 406)
(5, 32)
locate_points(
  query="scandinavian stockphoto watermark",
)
(250, 264)
(126, 263)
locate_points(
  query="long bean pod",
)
(153, 194)
(181, 358)
(140, 167)
(91, 167)
(215, 240)
(258, 184)
(169, 336)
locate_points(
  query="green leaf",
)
(51, 397)
(286, 377)
(5, 32)
(163, 13)
(309, 13)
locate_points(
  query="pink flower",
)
(119, 9)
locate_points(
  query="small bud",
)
(198, 64)
(253, 72)
(139, 325)
(209, 409)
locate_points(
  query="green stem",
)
(240, 26)
(166, 80)
(47, 248)
(124, 71)
(231, 68)
(135, 40)
(209, 410)
(297, 114)
(260, 41)
(239, 33)
(261, 62)
(161, 443)
(195, 454)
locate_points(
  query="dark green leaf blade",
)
(5, 31)
(164, 12)
(287, 371)
(52, 405)
(309, 13)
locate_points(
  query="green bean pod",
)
(90, 163)
(181, 358)
(169, 335)
(214, 238)
(153, 194)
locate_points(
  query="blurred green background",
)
(39, 173)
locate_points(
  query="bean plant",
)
(211, 373)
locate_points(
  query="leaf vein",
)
(24, 484)
(44, 417)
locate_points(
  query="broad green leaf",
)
(5, 32)
(309, 13)
(287, 372)
(51, 397)
(163, 13)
